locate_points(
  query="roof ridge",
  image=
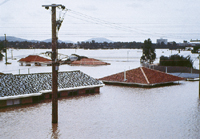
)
(144, 75)
(35, 57)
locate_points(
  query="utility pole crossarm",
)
(52, 5)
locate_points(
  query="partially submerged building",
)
(35, 60)
(31, 88)
(89, 62)
(141, 76)
(77, 60)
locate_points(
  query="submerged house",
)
(77, 60)
(34, 60)
(89, 62)
(31, 88)
(141, 76)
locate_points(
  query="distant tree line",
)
(169, 45)
(174, 46)
(34, 45)
(176, 60)
(110, 45)
(84, 45)
(88, 45)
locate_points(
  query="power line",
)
(112, 25)
(133, 31)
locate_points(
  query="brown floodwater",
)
(116, 112)
(171, 112)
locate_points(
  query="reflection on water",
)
(55, 131)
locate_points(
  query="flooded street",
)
(118, 112)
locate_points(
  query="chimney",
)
(125, 75)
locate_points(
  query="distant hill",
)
(35, 41)
(68, 41)
(60, 41)
(12, 38)
(50, 40)
(99, 40)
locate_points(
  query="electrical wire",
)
(132, 31)
(114, 25)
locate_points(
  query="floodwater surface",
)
(170, 112)
(116, 112)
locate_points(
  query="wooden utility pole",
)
(54, 63)
(6, 50)
(54, 71)
(199, 75)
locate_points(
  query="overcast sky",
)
(117, 20)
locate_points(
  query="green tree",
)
(196, 49)
(149, 54)
(176, 60)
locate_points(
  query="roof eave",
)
(73, 88)
(125, 83)
(20, 96)
(48, 91)
(140, 84)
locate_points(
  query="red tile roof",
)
(35, 58)
(141, 76)
(89, 61)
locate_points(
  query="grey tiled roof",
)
(11, 85)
